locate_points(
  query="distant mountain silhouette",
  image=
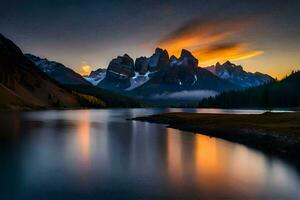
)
(58, 71)
(281, 94)
(236, 74)
(32, 82)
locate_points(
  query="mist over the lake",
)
(188, 95)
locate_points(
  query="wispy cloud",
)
(207, 40)
(226, 51)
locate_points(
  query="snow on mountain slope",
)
(96, 78)
(58, 71)
(138, 80)
(237, 75)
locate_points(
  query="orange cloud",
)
(206, 40)
(174, 46)
(224, 52)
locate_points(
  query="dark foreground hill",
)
(24, 86)
(280, 94)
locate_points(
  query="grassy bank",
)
(278, 133)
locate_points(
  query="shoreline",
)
(274, 133)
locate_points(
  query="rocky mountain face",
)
(24, 85)
(58, 71)
(235, 74)
(182, 77)
(158, 61)
(160, 74)
(119, 72)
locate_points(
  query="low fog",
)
(194, 95)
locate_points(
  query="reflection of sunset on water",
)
(98, 152)
(84, 140)
(206, 156)
(213, 161)
(174, 155)
(217, 161)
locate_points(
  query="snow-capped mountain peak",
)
(237, 75)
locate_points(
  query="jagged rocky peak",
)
(185, 53)
(187, 59)
(121, 68)
(236, 74)
(159, 60)
(141, 65)
(173, 59)
(228, 63)
(124, 60)
(163, 52)
(218, 64)
(231, 66)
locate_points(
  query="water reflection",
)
(84, 143)
(207, 161)
(221, 167)
(174, 157)
(93, 154)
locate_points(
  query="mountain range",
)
(163, 78)
(236, 75)
(158, 80)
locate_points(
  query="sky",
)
(261, 35)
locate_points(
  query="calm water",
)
(97, 154)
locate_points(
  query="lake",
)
(93, 154)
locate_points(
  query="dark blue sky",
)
(77, 32)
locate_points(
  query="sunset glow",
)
(85, 70)
(84, 143)
(233, 52)
(208, 41)
(270, 29)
